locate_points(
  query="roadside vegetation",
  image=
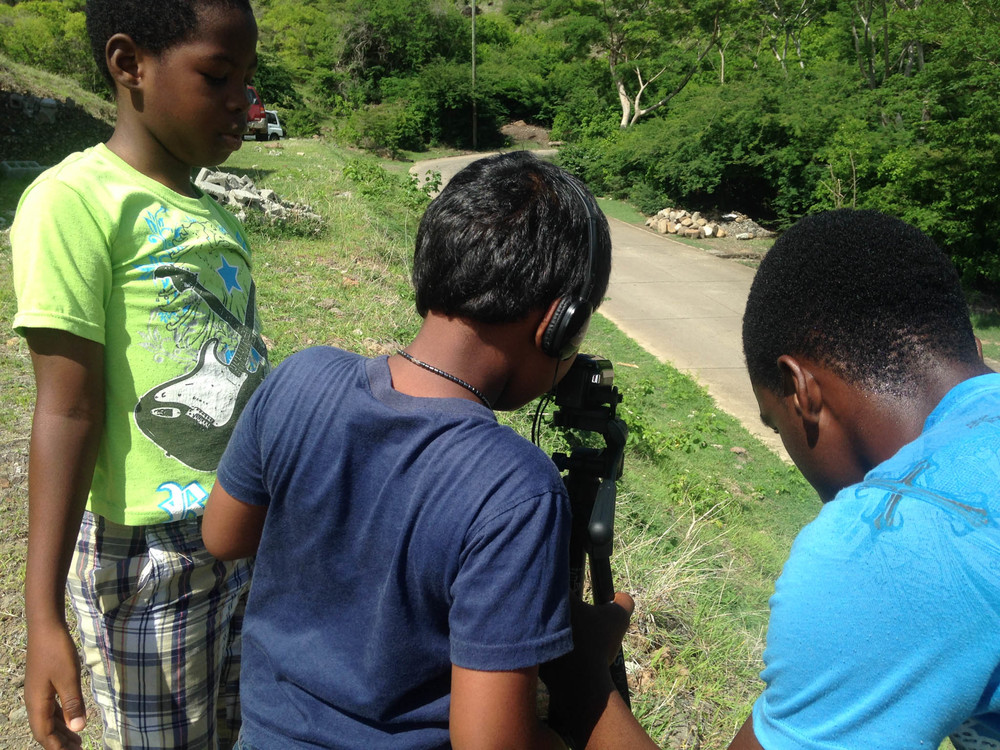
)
(772, 109)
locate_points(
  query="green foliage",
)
(376, 183)
(48, 34)
(387, 128)
(275, 84)
(301, 36)
(761, 107)
(300, 123)
(388, 37)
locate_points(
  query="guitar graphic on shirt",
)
(192, 417)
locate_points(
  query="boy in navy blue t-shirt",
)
(412, 553)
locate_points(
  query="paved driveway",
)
(679, 303)
(685, 307)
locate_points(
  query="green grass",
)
(622, 211)
(17, 77)
(986, 324)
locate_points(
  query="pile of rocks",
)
(243, 195)
(696, 226)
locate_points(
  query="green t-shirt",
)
(163, 282)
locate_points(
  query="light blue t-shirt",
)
(885, 622)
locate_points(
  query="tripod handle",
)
(585, 492)
(604, 591)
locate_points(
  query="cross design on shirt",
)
(972, 516)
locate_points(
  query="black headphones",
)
(564, 334)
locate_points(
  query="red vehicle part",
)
(256, 119)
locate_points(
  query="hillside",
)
(82, 118)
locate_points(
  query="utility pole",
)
(474, 112)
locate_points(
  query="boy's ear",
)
(799, 384)
(124, 60)
(543, 323)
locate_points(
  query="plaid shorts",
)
(159, 619)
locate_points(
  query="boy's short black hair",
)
(155, 26)
(509, 234)
(865, 294)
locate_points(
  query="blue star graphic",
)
(228, 274)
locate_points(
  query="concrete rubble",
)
(696, 226)
(241, 194)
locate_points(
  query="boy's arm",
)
(65, 434)
(745, 739)
(231, 529)
(494, 710)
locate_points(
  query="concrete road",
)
(685, 307)
(449, 166)
(679, 303)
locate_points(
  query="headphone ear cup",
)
(569, 318)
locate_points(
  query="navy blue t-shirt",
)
(402, 535)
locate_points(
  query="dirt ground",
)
(521, 132)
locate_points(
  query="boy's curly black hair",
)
(509, 234)
(155, 26)
(867, 295)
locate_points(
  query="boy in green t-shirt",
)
(136, 299)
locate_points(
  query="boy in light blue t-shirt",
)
(884, 622)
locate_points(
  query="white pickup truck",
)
(274, 128)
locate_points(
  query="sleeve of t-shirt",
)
(511, 596)
(62, 262)
(241, 468)
(874, 638)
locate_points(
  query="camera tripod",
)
(587, 400)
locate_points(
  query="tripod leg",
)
(604, 592)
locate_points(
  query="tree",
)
(878, 47)
(654, 48)
(783, 23)
(393, 37)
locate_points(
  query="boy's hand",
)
(597, 636)
(52, 691)
(584, 703)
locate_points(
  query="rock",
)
(745, 236)
(20, 169)
(692, 233)
(686, 221)
(240, 192)
(245, 198)
(216, 191)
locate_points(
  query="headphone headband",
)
(564, 334)
(591, 236)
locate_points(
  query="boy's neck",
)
(882, 423)
(494, 358)
(139, 150)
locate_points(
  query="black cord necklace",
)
(447, 376)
